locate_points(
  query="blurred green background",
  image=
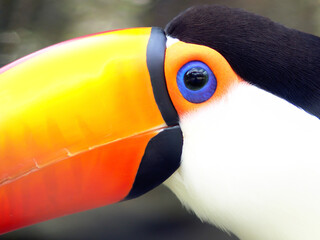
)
(29, 25)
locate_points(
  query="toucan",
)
(223, 107)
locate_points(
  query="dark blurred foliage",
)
(29, 25)
(157, 215)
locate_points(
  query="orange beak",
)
(85, 123)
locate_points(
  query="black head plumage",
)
(282, 61)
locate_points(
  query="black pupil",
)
(196, 78)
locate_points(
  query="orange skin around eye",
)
(181, 53)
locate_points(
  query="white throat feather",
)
(251, 165)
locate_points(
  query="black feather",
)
(282, 61)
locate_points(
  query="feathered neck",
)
(250, 165)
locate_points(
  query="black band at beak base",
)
(163, 153)
(155, 60)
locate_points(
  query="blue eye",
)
(196, 82)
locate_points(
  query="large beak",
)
(85, 123)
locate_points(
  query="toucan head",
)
(108, 117)
(95, 120)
